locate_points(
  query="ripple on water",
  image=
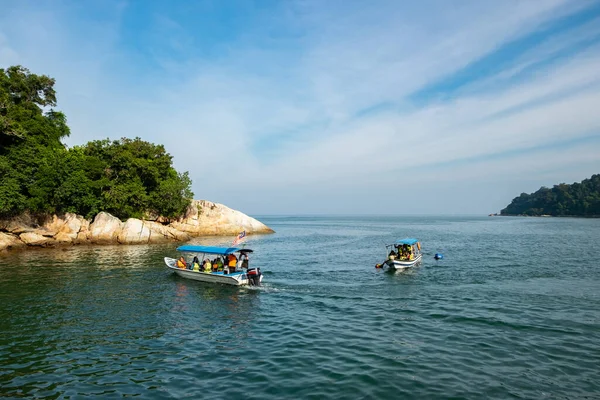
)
(500, 317)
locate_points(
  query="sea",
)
(511, 311)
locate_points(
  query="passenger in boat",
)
(181, 263)
(215, 267)
(400, 250)
(196, 264)
(207, 266)
(245, 260)
(219, 264)
(231, 262)
(392, 255)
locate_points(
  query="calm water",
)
(513, 311)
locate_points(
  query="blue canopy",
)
(407, 241)
(211, 249)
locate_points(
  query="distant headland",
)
(580, 199)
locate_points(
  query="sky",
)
(330, 107)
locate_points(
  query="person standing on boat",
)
(245, 260)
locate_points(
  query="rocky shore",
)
(202, 218)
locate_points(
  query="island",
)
(579, 199)
(120, 191)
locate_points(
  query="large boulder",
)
(55, 223)
(35, 239)
(105, 229)
(66, 227)
(9, 241)
(204, 218)
(160, 233)
(137, 231)
(17, 225)
(70, 228)
(134, 231)
(84, 231)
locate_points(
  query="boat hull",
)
(402, 264)
(235, 279)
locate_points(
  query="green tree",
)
(127, 177)
(577, 199)
(138, 178)
(30, 141)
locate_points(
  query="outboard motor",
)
(253, 275)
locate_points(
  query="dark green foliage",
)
(127, 178)
(578, 199)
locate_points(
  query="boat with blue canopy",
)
(403, 253)
(226, 265)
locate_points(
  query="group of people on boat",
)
(225, 264)
(403, 253)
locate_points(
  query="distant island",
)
(563, 200)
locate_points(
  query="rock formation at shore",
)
(202, 218)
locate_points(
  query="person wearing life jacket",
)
(181, 263)
(207, 266)
(219, 264)
(231, 262)
(195, 264)
(392, 255)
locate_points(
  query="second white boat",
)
(403, 253)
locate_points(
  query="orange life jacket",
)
(232, 260)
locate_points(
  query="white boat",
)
(242, 274)
(403, 253)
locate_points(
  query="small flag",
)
(239, 238)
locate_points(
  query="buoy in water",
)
(438, 256)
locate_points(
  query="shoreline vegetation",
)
(120, 191)
(579, 200)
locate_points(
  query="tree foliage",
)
(127, 177)
(577, 199)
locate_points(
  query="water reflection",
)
(108, 256)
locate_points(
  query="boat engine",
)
(253, 275)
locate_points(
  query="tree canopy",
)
(578, 199)
(127, 177)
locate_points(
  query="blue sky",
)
(321, 107)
